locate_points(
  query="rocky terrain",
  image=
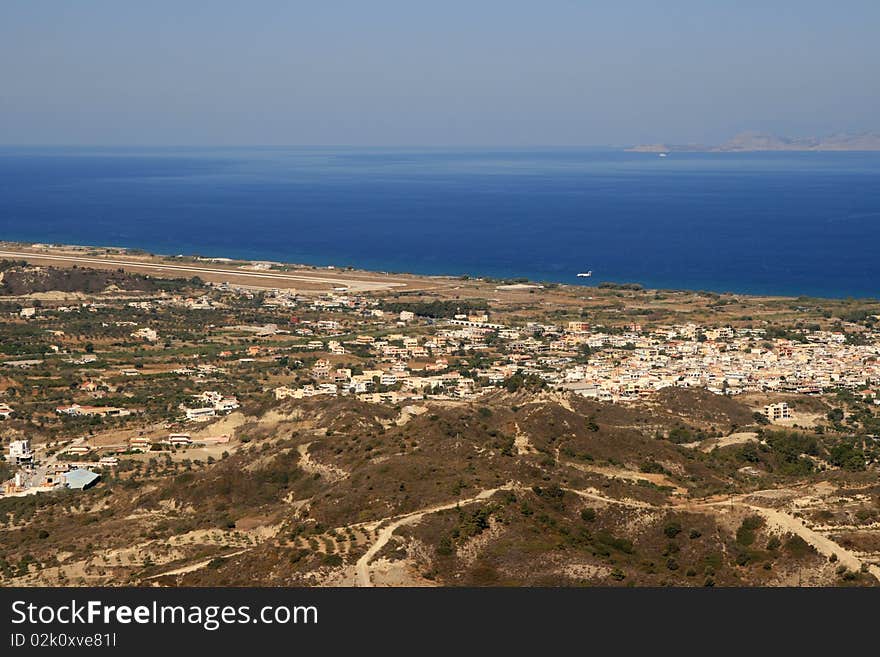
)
(518, 489)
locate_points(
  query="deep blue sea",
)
(771, 223)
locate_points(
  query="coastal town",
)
(614, 366)
(101, 386)
(402, 357)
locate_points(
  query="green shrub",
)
(672, 529)
(745, 535)
(588, 514)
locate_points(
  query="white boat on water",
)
(663, 154)
(585, 274)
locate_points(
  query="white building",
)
(219, 402)
(20, 452)
(147, 334)
(200, 414)
(780, 411)
(226, 405)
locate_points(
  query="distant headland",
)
(757, 141)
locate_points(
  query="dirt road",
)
(823, 544)
(196, 566)
(611, 472)
(362, 567)
(774, 517)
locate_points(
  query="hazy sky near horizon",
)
(457, 72)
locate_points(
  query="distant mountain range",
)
(756, 141)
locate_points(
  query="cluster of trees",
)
(437, 308)
(683, 434)
(531, 382)
(788, 453)
(789, 450)
(780, 333)
(634, 287)
(858, 316)
(470, 523)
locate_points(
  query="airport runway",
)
(235, 276)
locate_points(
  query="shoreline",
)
(258, 273)
(695, 222)
(246, 273)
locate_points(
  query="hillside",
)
(516, 489)
(752, 141)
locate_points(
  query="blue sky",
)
(391, 72)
